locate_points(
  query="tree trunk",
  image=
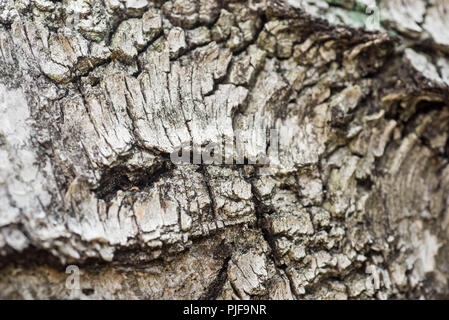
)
(314, 148)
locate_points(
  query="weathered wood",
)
(350, 201)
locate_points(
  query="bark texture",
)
(96, 95)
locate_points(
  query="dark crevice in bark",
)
(121, 178)
(264, 224)
(213, 202)
(34, 256)
(216, 287)
(410, 122)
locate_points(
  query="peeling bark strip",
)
(95, 96)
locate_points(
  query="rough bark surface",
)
(96, 95)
